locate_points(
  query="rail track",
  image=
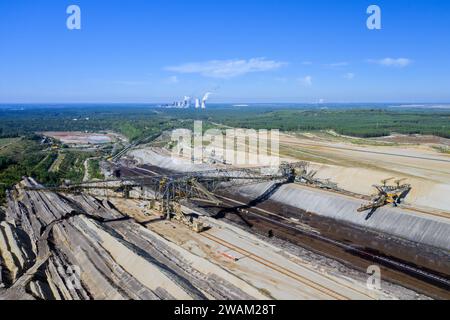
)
(349, 248)
(440, 214)
(295, 276)
(398, 269)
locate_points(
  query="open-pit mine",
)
(161, 227)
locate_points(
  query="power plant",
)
(188, 101)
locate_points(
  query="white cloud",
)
(131, 83)
(349, 76)
(281, 79)
(307, 63)
(227, 68)
(172, 80)
(390, 62)
(338, 64)
(306, 81)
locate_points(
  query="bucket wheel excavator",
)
(169, 190)
(387, 194)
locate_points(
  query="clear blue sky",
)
(242, 51)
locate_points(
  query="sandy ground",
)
(272, 271)
(357, 164)
(357, 167)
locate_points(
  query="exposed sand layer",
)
(357, 167)
(420, 227)
(273, 271)
(415, 139)
(413, 226)
(354, 164)
(79, 247)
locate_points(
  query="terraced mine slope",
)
(78, 247)
(56, 247)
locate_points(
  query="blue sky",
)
(242, 51)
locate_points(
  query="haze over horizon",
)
(252, 52)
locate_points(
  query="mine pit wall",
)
(431, 234)
(423, 241)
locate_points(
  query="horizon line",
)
(235, 103)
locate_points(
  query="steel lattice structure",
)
(200, 185)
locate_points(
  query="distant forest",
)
(22, 154)
(139, 121)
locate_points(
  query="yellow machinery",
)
(387, 194)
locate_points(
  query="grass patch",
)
(4, 142)
(94, 169)
(27, 157)
(442, 149)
